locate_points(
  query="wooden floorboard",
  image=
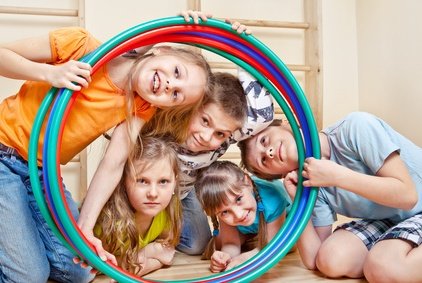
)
(289, 269)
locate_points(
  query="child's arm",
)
(391, 186)
(228, 245)
(274, 226)
(310, 242)
(26, 60)
(230, 240)
(311, 238)
(219, 261)
(105, 180)
(272, 229)
(155, 255)
(237, 260)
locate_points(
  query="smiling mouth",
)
(198, 143)
(245, 218)
(155, 82)
(279, 152)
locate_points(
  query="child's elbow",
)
(309, 261)
(411, 199)
(309, 264)
(168, 256)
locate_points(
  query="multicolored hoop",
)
(215, 36)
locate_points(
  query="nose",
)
(152, 192)
(206, 135)
(172, 85)
(270, 152)
(237, 213)
(167, 88)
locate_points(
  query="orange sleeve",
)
(71, 43)
(143, 109)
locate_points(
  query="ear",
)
(285, 122)
(161, 49)
(155, 51)
(247, 179)
(192, 49)
(174, 189)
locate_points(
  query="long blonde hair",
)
(213, 187)
(118, 231)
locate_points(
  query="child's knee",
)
(381, 269)
(327, 262)
(334, 261)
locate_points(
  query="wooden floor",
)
(289, 269)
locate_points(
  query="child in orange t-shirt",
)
(171, 79)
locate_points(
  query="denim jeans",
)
(196, 231)
(29, 251)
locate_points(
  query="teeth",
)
(156, 82)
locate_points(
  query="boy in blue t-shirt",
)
(367, 171)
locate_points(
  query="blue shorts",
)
(373, 231)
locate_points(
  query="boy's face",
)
(209, 128)
(273, 151)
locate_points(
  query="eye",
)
(176, 72)
(205, 121)
(175, 95)
(263, 160)
(262, 141)
(221, 135)
(164, 181)
(141, 181)
(224, 213)
(239, 199)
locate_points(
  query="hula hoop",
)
(215, 36)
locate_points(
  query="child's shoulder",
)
(71, 43)
(353, 123)
(271, 189)
(359, 117)
(265, 184)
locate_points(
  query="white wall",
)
(371, 61)
(390, 62)
(339, 59)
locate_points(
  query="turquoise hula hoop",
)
(215, 36)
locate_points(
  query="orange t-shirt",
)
(97, 108)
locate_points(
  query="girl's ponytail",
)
(262, 229)
(209, 250)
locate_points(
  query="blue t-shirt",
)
(274, 199)
(362, 142)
